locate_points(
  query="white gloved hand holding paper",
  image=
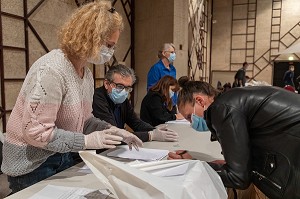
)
(163, 134)
(102, 139)
(129, 138)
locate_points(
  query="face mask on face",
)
(198, 123)
(118, 97)
(104, 55)
(172, 57)
(171, 93)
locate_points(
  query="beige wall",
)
(221, 37)
(158, 22)
(46, 20)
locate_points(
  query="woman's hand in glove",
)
(129, 138)
(163, 134)
(102, 139)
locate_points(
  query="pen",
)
(182, 153)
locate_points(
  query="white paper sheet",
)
(143, 153)
(183, 121)
(62, 192)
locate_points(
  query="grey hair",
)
(164, 47)
(122, 70)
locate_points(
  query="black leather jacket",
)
(259, 132)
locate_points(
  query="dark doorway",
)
(279, 70)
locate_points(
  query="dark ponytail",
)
(190, 88)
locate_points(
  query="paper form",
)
(143, 153)
(62, 192)
(183, 121)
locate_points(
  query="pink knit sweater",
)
(52, 111)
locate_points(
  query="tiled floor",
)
(4, 190)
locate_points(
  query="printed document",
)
(142, 154)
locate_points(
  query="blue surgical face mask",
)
(198, 123)
(171, 93)
(172, 57)
(118, 97)
(104, 55)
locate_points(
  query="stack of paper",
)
(142, 154)
(183, 121)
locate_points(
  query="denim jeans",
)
(54, 164)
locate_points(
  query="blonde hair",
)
(163, 48)
(88, 28)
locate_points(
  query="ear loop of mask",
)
(195, 104)
(194, 107)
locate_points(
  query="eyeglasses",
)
(121, 87)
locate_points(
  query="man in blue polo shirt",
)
(163, 67)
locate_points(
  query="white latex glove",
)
(102, 139)
(129, 138)
(163, 134)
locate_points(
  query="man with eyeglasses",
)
(110, 104)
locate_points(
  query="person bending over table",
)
(259, 132)
(111, 104)
(157, 106)
(52, 116)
